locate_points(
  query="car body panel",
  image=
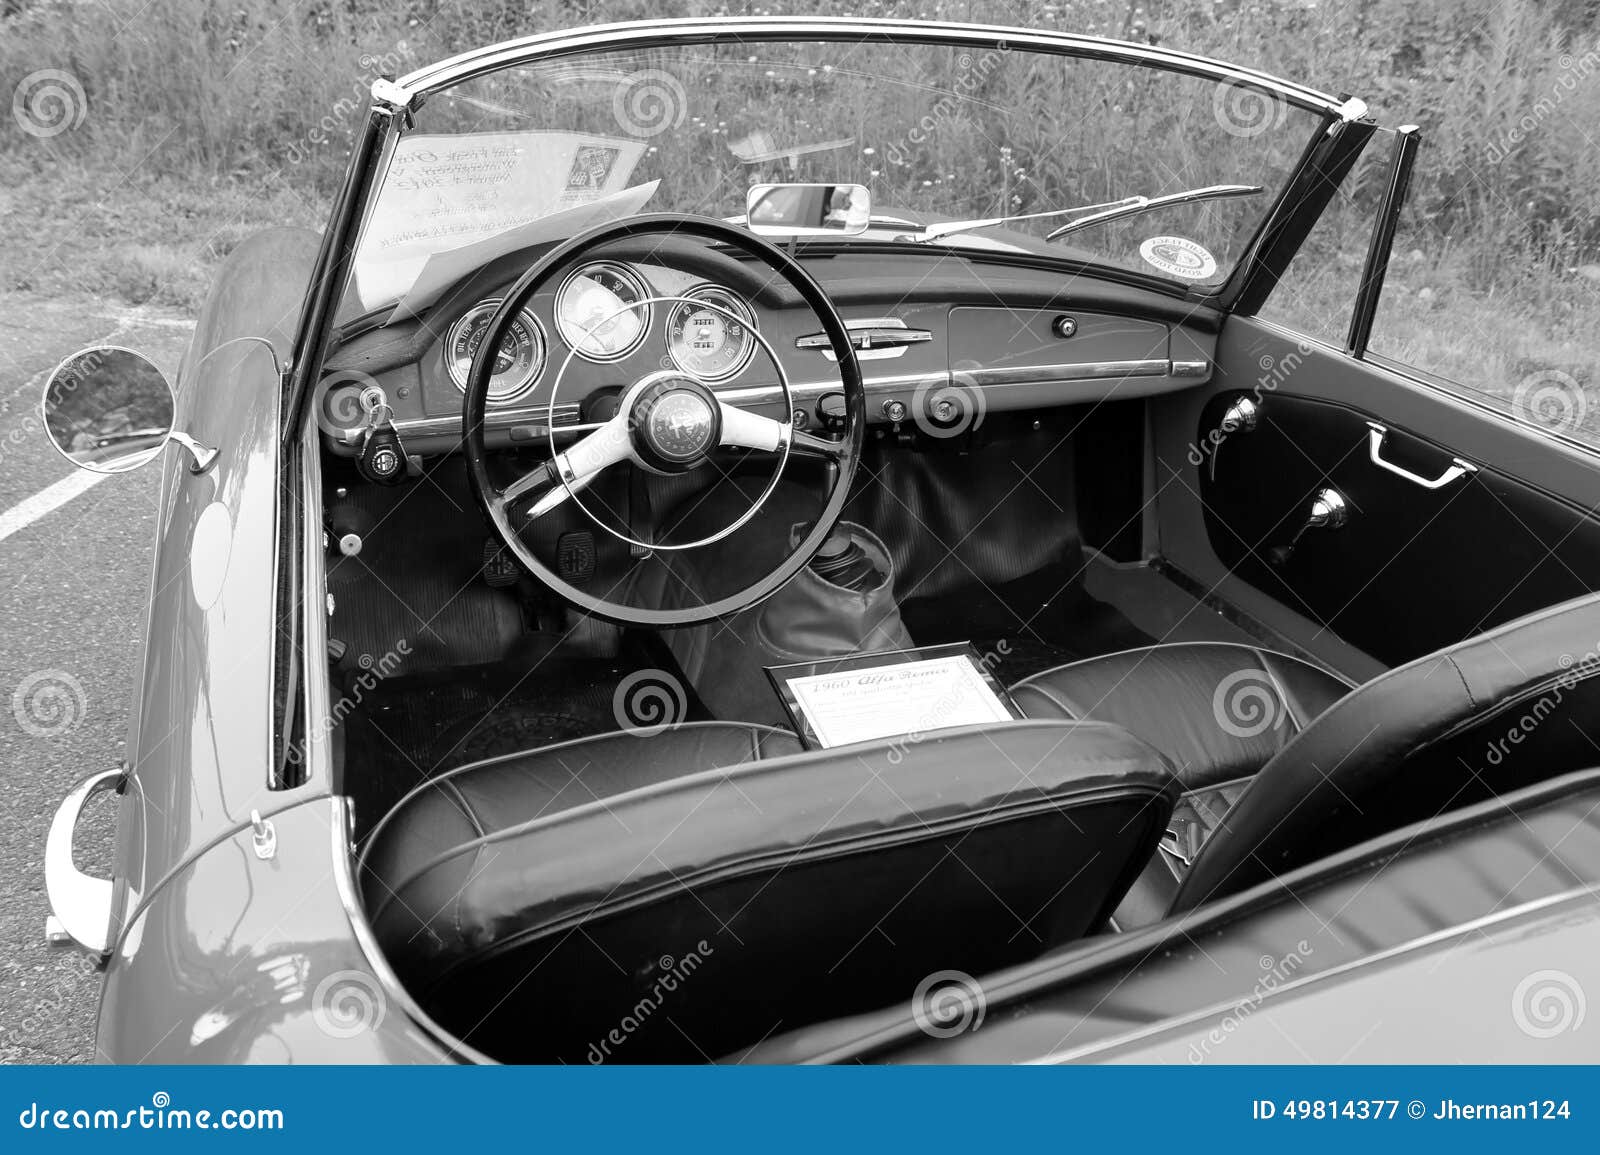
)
(200, 742)
(245, 959)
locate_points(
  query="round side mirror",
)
(108, 409)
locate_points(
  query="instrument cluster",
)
(604, 312)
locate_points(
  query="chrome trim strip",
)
(1076, 371)
(812, 390)
(567, 413)
(655, 33)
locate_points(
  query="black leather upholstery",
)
(1218, 711)
(1497, 712)
(535, 903)
(1167, 993)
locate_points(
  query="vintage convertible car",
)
(674, 574)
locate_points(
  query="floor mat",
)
(412, 729)
(1025, 626)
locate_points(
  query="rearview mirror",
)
(792, 210)
(108, 409)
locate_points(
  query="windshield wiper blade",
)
(950, 228)
(1093, 214)
(1139, 205)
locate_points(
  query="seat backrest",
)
(1489, 715)
(691, 917)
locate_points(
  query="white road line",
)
(26, 512)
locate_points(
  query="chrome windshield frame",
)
(394, 101)
(664, 33)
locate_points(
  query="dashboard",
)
(942, 339)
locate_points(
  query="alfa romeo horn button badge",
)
(681, 425)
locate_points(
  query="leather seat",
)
(1217, 710)
(536, 902)
(1489, 715)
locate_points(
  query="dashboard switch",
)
(895, 411)
(1064, 326)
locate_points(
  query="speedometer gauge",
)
(593, 313)
(516, 365)
(708, 343)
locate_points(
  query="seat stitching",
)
(434, 781)
(1281, 690)
(1059, 701)
(1472, 701)
(1321, 669)
(453, 791)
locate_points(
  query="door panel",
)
(1412, 569)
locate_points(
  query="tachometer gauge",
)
(708, 343)
(593, 315)
(516, 366)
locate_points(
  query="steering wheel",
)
(667, 422)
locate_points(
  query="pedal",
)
(499, 567)
(575, 558)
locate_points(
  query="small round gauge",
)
(520, 359)
(708, 343)
(593, 314)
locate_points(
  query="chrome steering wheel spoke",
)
(742, 429)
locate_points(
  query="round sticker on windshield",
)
(1179, 256)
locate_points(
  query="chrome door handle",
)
(80, 904)
(1458, 468)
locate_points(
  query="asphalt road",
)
(73, 589)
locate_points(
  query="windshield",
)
(935, 133)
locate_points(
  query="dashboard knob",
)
(895, 411)
(831, 412)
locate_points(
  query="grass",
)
(205, 121)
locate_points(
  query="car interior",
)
(1245, 622)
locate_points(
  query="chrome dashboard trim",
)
(568, 413)
(1075, 371)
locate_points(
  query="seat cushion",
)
(1218, 711)
(533, 903)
